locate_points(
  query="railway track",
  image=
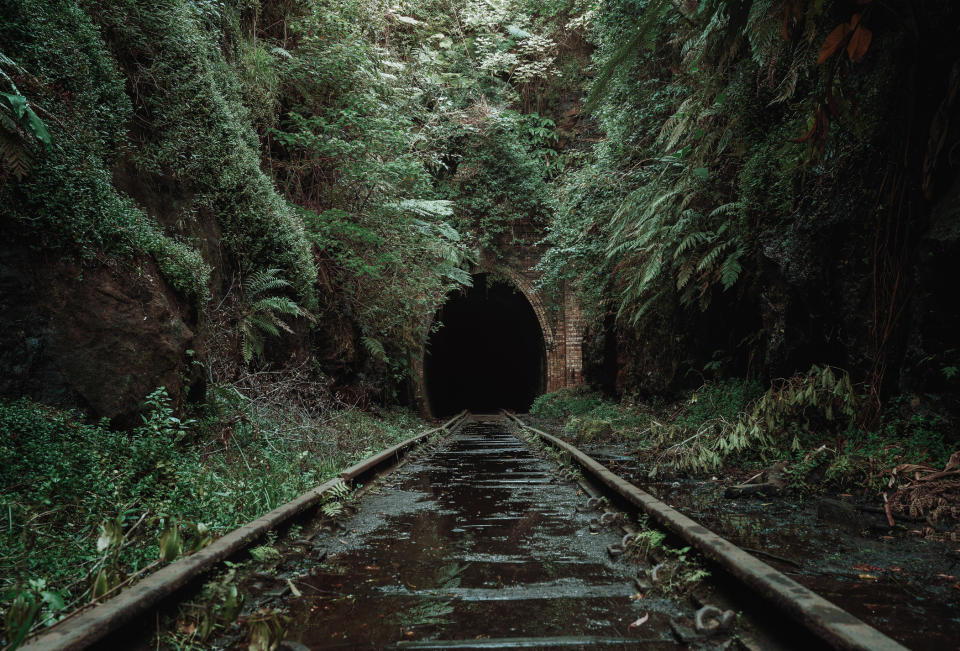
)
(493, 535)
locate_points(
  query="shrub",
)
(574, 401)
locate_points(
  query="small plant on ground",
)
(675, 570)
(334, 500)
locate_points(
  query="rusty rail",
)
(87, 627)
(832, 624)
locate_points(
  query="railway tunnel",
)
(486, 352)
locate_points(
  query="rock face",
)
(93, 337)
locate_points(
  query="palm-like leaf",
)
(263, 315)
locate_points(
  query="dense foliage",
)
(738, 190)
(762, 166)
(360, 152)
(87, 506)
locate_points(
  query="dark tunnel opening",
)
(487, 354)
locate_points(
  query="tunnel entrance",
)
(487, 354)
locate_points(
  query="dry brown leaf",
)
(953, 461)
(833, 42)
(859, 43)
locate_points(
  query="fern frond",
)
(710, 259)
(643, 38)
(375, 348)
(689, 242)
(280, 323)
(458, 275)
(263, 323)
(332, 509)
(251, 343)
(280, 304)
(683, 275)
(763, 31)
(676, 126)
(726, 209)
(265, 280)
(15, 155)
(339, 491)
(437, 208)
(730, 269)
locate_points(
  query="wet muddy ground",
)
(902, 585)
(474, 545)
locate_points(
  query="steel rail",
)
(830, 623)
(89, 626)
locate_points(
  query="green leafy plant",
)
(262, 312)
(790, 415)
(218, 606)
(267, 627)
(20, 126)
(565, 402)
(29, 604)
(334, 500)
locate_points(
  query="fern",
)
(730, 269)
(13, 152)
(265, 280)
(726, 209)
(334, 499)
(657, 241)
(426, 207)
(375, 348)
(643, 38)
(763, 30)
(262, 315)
(332, 509)
(451, 257)
(689, 241)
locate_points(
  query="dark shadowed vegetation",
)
(226, 229)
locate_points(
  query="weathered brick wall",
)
(561, 320)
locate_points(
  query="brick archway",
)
(524, 286)
(561, 323)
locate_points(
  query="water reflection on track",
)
(474, 545)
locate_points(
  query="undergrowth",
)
(88, 509)
(586, 415)
(808, 421)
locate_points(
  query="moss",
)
(199, 132)
(188, 123)
(68, 202)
